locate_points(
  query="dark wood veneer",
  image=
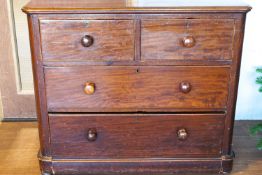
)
(123, 88)
(164, 39)
(130, 88)
(62, 40)
(136, 136)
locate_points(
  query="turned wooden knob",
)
(91, 134)
(87, 41)
(89, 88)
(185, 87)
(189, 41)
(182, 134)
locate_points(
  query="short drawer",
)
(187, 39)
(136, 135)
(87, 40)
(132, 89)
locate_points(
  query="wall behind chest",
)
(16, 83)
(249, 101)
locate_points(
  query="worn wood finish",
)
(139, 167)
(61, 40)
(39, 85)
(150, 69)
(136, 136)
(212, 39)
(234, 78)
(127, 89)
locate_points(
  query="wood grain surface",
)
(163, 39)
(136, 136)
(129, 6)
(39, 85)
(179, 62)
(61, 40)
(148, 88)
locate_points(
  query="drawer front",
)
(87, 40)
(136, 136)
(188, 39)
(131, 88)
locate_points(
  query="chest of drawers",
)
(135, 88)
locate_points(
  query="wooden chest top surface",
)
(134, 6)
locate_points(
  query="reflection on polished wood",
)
(19, 146)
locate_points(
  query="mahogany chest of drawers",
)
(135, 87)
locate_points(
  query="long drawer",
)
(132, 89)
(136, 135)
(150, 88)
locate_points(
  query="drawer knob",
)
(89, 88)
(182, 134)
(87, 41)
(189, 41)
(92, 134)
(185, 87)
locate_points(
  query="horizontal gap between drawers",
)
(137, 63)
(138, 159)
(141, 113)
